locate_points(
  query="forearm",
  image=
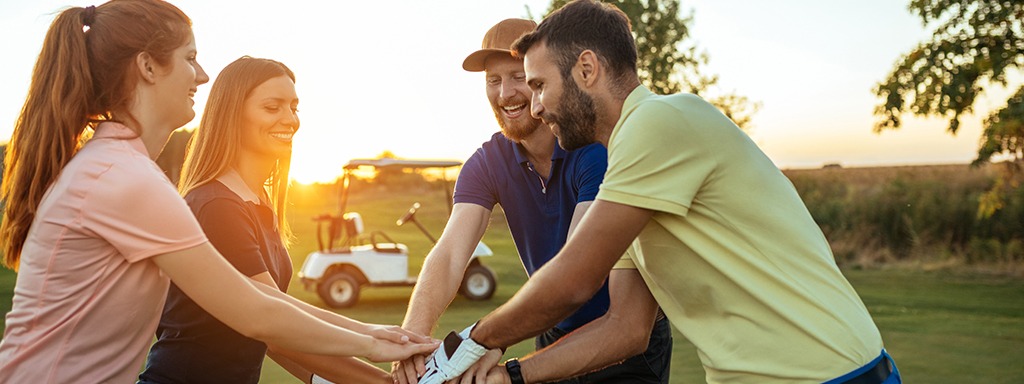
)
(207, 279)
(289, 365)
(602, 237)
(290, 328)
(538, 306)
(630, 319)
(336, 369)
(436, 288)
(444, 267)
(319, 313)
(587, 349)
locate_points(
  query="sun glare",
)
(307, 170)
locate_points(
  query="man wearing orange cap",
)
(544, 191)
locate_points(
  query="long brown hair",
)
(83, 76)
(214, 147)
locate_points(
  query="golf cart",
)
(346, 261)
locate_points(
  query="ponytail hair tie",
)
(89, 16)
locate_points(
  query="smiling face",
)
(270, 118)
(559, 102)
(509, 96)
(177, 85)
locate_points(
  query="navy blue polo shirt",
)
(538, 211)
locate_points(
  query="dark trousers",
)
(652, 366)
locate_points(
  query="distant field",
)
(942, 327)
(926, 216)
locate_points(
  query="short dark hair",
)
(581, 25)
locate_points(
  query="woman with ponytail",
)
(97, 232)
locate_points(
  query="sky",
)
(375, 76)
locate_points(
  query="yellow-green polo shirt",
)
(731, 254)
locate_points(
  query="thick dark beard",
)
(575, 123)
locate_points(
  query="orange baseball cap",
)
(498, 39)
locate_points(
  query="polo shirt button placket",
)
(543, 185)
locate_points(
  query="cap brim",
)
(475, 61)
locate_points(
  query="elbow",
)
(635, 336)
(636, 341)
(257, 330)
(260, 328)
(275, 350)
(587, 290)
(577, 298)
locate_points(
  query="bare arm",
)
(337, 369)
(481, 369)
(349, 370)
(601, 238)
(386, 332)
(577, 216)
(445, 266)
(440, 278)
(219, 289)
(630, 318)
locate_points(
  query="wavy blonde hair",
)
(214, 147)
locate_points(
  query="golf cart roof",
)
(400, 163)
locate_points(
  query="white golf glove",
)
(454, 356)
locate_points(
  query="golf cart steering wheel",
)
(409, 214)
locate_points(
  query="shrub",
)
(872, 215)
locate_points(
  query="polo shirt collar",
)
(639, 94)
(520, 153)
(115, 130)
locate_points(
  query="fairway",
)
(941, 327)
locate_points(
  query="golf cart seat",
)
(386, 247)
(344, 228)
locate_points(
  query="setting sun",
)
(366, 88)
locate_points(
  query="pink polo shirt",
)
(87, 298)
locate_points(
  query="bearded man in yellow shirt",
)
(718, 233)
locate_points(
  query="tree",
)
(974, 43)
(665, 63)
(398, 177)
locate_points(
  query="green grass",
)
(941, 327)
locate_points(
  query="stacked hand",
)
(394, 343)
(458, 360)
(453, 357)
(496, 375)
(481, 371)
(393, 333)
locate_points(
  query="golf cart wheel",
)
(339, 290)
(479, 282)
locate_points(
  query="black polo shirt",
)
(192, 346)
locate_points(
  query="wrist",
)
(515, 371)
(468, 334)
(418, 325)
(359, 326)
(370, 345)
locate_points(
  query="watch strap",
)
(515, 371)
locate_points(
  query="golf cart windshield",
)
(338, 226)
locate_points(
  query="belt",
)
(875, 375)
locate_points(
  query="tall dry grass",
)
(917, 215)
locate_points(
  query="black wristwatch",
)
(515, 372)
